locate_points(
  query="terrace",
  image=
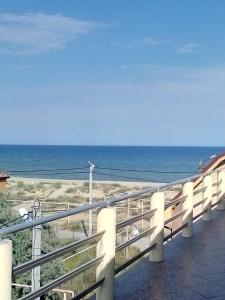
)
(179, 234)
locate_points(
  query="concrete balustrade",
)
(5, 269)
(106, 221)
(187, 218)
(157, 221)
(221, 190)
(207, 198)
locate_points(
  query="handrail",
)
(199, 191)
(175, 217)
(135, 239)
(90, 289)
(134, 219)
(173, 202)
(154, 230)
(49, 286)
(135, 258)
(100, 204)
(54, 254)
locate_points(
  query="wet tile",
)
(194, 268)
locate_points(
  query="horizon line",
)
(117, 145)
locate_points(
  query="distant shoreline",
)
(29, 180)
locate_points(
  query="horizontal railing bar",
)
(130, 208)
(54, 254)
(88, 290)
(199, 215)
(197, 203)
(100, 204)
(178, 200)
(134, 219)
(133, 259)
(217, 183)
(169, 236)
(49, 286)
(175, 217)
(54, 290)
(199, 191)
(217, 202)
(120, 232)
(135, 239)
(216, 194)
(204, 199)
(78, 253)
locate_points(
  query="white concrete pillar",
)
(106, 221)
(221, 189)
(207, 197)
(157, 221)
(187, 206)
(5, 269)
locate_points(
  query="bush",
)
(71, 190)
(57, 185)
(20, 185)
(22, 252)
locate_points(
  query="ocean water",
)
(125, 163)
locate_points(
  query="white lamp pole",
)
(36, 247)
(91, 168)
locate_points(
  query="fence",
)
(173, 206)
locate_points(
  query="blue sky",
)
(112, 72)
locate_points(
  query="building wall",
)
(2, 185)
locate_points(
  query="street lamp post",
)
(91, 168)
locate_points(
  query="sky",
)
(112, 72)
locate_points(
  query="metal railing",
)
(181, 211)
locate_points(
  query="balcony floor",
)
(193, 268)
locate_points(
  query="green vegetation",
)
(22, 247)
(57, 185)
(22, 241)
(75, 226)
(29, 188)
(20, 185)
(71, 190)
(116, 185)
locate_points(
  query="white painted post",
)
(157, 221)
(91, 168)
(68, 218)
(221, 189)
(142, 211)
(207, 196)
(187, 206)
(36, 248)
(5, 269)
(128, 227)
(106, 221)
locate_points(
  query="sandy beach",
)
(70, 189)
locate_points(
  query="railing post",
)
(207, 196)
(157, 221)
(106, 221)
(221, 189)
(187, 206)
(5, 269)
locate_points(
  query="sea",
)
(111, 163)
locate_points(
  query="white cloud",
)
(146, 41)
(188, 48)
(20, 67)
(39, 32)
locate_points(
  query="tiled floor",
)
(194, 268)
